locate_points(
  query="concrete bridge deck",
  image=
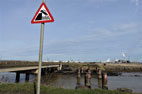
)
(28, 67)
(16, 69)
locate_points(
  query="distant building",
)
(122, 61)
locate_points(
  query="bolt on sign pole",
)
(42, 16)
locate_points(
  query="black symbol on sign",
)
(39, 17)
(44, 12)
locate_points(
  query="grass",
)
(29, 88)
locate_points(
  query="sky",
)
(83, 30)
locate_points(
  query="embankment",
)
(108, 67)
(123, 67)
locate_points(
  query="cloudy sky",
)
(84, 30)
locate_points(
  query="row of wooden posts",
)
(102, 78)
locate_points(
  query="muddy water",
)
(127, 80)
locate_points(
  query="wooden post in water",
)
(78, 73)
(78, 77)
(99, 72)
(89, 70)
(104, 81)
(85, 79)
(88, 78)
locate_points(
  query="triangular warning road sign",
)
(43, 15)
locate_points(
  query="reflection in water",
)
(134, 83)
(87, 79)
(99, 83)
(61, 81)
(70, 81)
(78, 81)
(50, 78)
(10, 77)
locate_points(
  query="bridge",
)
(28, 67)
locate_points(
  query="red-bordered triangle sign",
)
(43, 15)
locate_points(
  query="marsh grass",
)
(30, 88)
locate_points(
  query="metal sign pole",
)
(40, 56)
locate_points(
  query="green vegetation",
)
(29, 88)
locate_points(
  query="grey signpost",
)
(40, 56)
(42, 16)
